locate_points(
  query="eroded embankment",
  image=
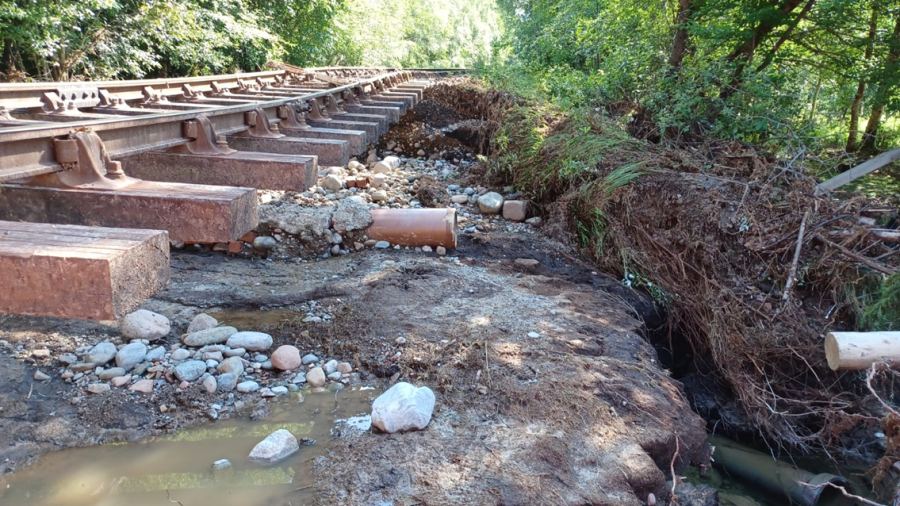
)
(710, 233)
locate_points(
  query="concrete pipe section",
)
(414, 227)
(776, 477)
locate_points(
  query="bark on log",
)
(855, 351)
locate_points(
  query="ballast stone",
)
(403, 407)
(143, 324)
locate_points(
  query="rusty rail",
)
(138, 123)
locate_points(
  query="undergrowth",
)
(708, 232)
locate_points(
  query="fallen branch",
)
(674, 499)
(843, 491)
(859, 258)
(869, 376)
(793, 273)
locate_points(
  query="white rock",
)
(143, 324)
(277, 446)
(403, 407)
(38, 375)
(332, 182)
(210, 384)
(490, 203)
(247, 387)
(101, 353)
(131, 355)
(251, 341)
(190, 370)
(180, 354)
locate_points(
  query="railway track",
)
(98, 177)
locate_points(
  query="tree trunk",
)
(812, 109)
(680, 44)
(861, 89)
(743, 54)
(888, 83)
(787, 33)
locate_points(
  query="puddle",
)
(175, 469)
(254, 318)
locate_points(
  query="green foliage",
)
(881, 306)
(103, 39)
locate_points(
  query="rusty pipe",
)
(414, 227)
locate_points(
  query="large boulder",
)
(143, 324)
(309, 223)
(403, 407)
(277, 446)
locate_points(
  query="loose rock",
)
(286, 358)
(227, 382)
(202, 322)
(131, 355)
(190, 370)
(38, 375)
(112, 372)
(210, 384)
(316, 377)
(231, 365)
(209, 336)
(101, 353)
(247, 387)
(277, 446)
(251, 341)
(403, 407)
(98, 388)
(490, 203)
(143, 324)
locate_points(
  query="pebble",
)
(98, 388)
(101, 353)
(534, 335)
(280, 390)
(286, 358)
(251, 341)
(382, 245)
(265, 243)
(266, 392)
(236, 352)
(227, 382)
(316, 377)
(210, 384)
(335, 376)
(202, 322)
(345, 368)
(112, 372)
(213, 355)
(379, 196)
(143, 324)
(221, 469)
(440, 250)
(232, 365)
(38, 375)
(426, 249)
(299, 378)
(69, 359)
(212, 364)
(275, 447)
(309, 359)
(459, 199)
(534, 221)
(120, 381)
(246, 387)
(180, 354)
(190, 370)
(155, 354)
(131, 355)
(330, 366)
(40, 353)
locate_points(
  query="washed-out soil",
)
(582, 414)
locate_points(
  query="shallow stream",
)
(176, 469)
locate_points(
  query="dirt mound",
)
(711, 234)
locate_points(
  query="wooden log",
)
(855, 351)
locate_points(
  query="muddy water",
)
(176, 468)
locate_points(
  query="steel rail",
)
(27, 150)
